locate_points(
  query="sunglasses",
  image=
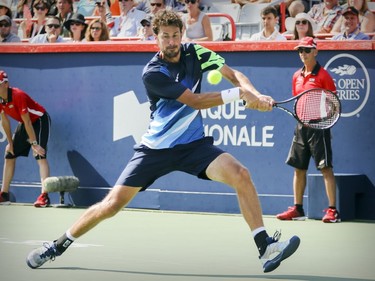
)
(156, 4)
(95, 28)
(76, 23)
(306, 50)
(40, 8)
(190, 1)
(56, 26)
(4, 25)
(146, 24)
(301, 22)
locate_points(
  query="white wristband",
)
(230, 95)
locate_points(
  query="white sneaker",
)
(276, 251)
(39, 256)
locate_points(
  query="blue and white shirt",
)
(173, 123)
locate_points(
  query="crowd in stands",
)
(39, 21)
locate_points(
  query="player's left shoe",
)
(332, 215)
(277, 251)
(42, 201)
(39, 256)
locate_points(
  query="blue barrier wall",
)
(99, 109)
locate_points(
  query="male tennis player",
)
(32, 132)
(309, 142)
(175, 141)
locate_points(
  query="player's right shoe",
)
(42, 201)
(277, 251)
(4, 198)
(39, 256)
(292, 214)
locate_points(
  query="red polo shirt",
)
(318, 78)
(19, 103)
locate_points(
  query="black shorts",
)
(309, 143)
(147, 165)
(21, 145)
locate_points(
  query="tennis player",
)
(309, 142)
(175, 141)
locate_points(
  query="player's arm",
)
(253, 98)
(31, 133)
(6, 126)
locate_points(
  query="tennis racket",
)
(315, 108)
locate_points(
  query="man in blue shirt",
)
(175, 141)
(351, 22)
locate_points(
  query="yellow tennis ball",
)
(214, 77)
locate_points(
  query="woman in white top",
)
(197, 24)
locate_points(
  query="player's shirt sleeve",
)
(208, 59)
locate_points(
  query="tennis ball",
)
(214, 77)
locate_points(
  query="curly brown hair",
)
(166, 18)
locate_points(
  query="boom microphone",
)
(61, 184)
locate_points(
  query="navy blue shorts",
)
(147, 165)
(309, 143)
(21, 145)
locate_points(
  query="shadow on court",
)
(139, 245)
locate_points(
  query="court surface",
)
(139, 245)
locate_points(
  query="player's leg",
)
(226, 169)
(299, 185)
(116, 199)
(8, 173)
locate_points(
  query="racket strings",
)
(318, 109)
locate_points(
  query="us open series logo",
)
(352, 82)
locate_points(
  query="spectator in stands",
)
(294, 7)
(351, 23)
(24, 7)
(129, 22)
(5, 9)
(146, 33)
(6, 36)
(310, 143)
(366, 18)
(325, 15)
(269, 32)
(301, 26)
(197, 25)
(65, 10)
(53, 30)
(156, 6)
(40, 8)
(97, 31)
(77, 27)
(103, 10)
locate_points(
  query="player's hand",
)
(9, 149)
(261, 103)
(38, 150)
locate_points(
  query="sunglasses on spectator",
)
(301, 22)
(95, 28)
(146, 24)
(156, 4)
(56, 26)
(4, 24)
(40, 8)
(306, 50)
(190, 1)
